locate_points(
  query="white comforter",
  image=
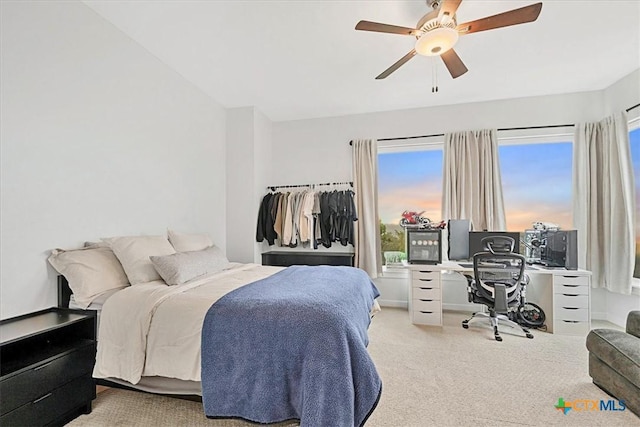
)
(142, 327)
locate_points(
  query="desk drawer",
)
(571, 300)
(571, 314)
(427, 318)
(567, 327)
(426, 283)
(50, 405)
(571, 280)
(424, 292)
(425, 274)
(427, 305)
(31, 384)
(571, 289)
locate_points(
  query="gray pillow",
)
(181, 267)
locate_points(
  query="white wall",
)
(99, 138)
(249, 167)
(623, 94)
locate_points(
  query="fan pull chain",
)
(434, 76)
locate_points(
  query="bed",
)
(277, 343)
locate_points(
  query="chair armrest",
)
(633, 323)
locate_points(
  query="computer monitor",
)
(476, 245)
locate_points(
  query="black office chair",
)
(498, 282)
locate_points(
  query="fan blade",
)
(397, 65)
(448, 8)
(512, 17)
(454, 64)
(385, 28)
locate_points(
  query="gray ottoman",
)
(614, 361)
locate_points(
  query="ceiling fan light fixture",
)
(437, 41)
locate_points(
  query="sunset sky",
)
(536, 181)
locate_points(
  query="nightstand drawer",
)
(27, 385)
(50, 405)
(426, 292)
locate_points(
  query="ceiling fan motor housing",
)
(438, 36)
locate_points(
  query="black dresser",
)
(46, 361)
(287, 258)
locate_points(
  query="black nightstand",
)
(46, 361)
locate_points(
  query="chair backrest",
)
(499, 277)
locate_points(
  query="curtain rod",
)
(501, 129)
(273, 187)
(442, 134)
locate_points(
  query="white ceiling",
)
(303, 59)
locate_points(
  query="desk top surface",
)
(468, 266)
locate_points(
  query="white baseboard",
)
(392, 303)
(598, 315)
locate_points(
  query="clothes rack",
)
(273, 187)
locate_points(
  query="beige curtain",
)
(604, 202)
(367, 229)
(472, 185)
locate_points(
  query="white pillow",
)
(181, 267)
(183, 242)
(89, 271)
(134, 252)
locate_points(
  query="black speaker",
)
(560, 249)
(458, 239)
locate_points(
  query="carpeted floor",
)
(431, 377)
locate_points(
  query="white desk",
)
(564, 295)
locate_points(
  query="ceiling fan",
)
(438, 31)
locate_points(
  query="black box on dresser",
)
(46, 361)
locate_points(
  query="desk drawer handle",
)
(571, 321)
(571, 308)
(426, 312)
(426, 289)
(42, 366)
(426, 300)
(572, 295)
(42, 398)
(570, 286)
(425, 280)
(425, 271)
(571, 277)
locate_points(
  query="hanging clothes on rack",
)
(307, 218)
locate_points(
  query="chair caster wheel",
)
(464, 325)
(498, 338)
(530, 336)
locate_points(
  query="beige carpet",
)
(431, 377)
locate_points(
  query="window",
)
(407, 181)
(536, 184)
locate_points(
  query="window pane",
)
(634, 139)
(407, 181)
(536, 184)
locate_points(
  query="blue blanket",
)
(292, 346)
